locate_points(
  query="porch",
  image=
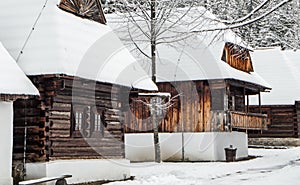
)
(247, 121)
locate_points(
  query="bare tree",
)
(159, 104)
(166, 22)
(151, 23)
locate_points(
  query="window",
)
(87, 121)
(217, 99)
(78, 120)
(97, 122)
(97, 127)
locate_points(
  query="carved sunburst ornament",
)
(90, 9)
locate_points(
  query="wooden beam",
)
(259, 101)
(244, 94)
(247, 103)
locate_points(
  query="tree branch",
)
(246, 22)
(247, 16)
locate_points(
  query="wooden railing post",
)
(297, 106)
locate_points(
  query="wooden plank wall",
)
(282, 121)
(191, 112)
(87, 9)
(237, 57)
(137, 118)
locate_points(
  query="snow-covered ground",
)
(274, 166)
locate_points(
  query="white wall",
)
(81, 170)
(204, 146)
(6, 142)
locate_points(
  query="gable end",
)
(89, 9)
(237, 57)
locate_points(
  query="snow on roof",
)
(196, 58)
(281, 69)
(12, 79)
(199, 63)
(47, 40)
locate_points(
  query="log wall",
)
(47, 120)
(30, 123)
(283, 120)
(104, 98)
(297, 104)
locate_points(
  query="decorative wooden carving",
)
(90, 9)
(237, 57)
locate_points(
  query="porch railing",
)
(248, 120)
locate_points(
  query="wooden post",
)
(297, 106)
(259, 101)
(247, 103)
(182, 129)
(244, 93)
(259, 106)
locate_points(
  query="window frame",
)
(87, 121)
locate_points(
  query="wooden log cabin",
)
(211, 104)
(214, 78)
(81, 70)
(14, 86)
(282, 70)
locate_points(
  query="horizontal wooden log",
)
(59, 133)
(91, 85)
(84, 151)
(82, 144)
(35, 120)
(62, 157)
(59, 115)
(61, 106)
(60, 125)
(114, 127)
(27, 112)
(30, 157)
(37, 131)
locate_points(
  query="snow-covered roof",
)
(281, 69)
(12, 79)
(199, 63)
(44, 39)
(196, 58)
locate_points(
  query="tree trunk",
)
(155, 128)
(153, 41)
(153, 60)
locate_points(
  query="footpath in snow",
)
(274, 166)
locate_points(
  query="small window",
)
(78, 120)
(97, 127)
(217, 99)
(98, 123)
(87, 121)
